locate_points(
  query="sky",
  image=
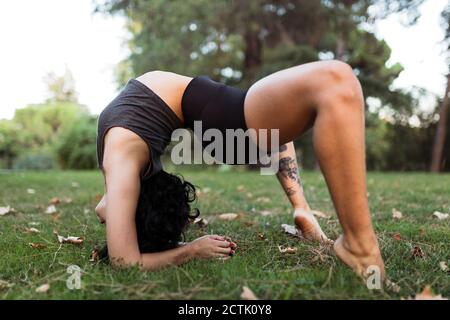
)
(38, 37)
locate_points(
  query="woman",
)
(146, 209)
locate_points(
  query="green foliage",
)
(11, 139)
(35, 161)
(76, 148)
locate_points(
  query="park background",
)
(63, 61)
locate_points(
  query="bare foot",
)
(308, 225)
(359, 260)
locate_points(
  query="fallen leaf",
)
(67, 200)
(94, 256)
(43, 288)
(37, 245)
(263, 199)
(86, 211)
(443, 266)
(240, 188)
(390, 285)
(319, 214)
(249, 195)
(397, 236)
(228, 216)
(440, 215)
(69, 239)
(75, 184)
(6, 210)
(291, 230)
(32, 223)
(417, 252)
(55, 200)
(261, 236)
(426, 294)
(31, 191)
(31, 230)
(288, 250)
(396, 214)
(266, 213)
(201, 222)
(206, 190)
(247, 294)
(56, 216)
(5, 285)
(51, 209)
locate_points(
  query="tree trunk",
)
(439, 140)
(253, 52)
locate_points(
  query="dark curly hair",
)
(163, 213)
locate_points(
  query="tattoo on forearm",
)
(290, 191)
(288, 168)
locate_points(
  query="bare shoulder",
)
(124, 147)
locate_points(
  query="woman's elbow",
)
(126, 261)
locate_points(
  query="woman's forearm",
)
(289, 177)
(172, 257)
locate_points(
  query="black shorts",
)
(217, 106)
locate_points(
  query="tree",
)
(437, 160)
(61, 88)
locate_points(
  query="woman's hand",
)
(212, 246)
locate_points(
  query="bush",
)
(35, 161)
(76, 148)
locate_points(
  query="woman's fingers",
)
(216, 237)
(225, 251)
(223, 244)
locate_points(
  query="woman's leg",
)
(327, 97)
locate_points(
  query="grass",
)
(312, 273)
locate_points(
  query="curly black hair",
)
(163, 213)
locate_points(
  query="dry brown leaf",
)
(37, 245)
(266, 213)
(319, 214)
(440, 215)
(247, 294)
(55, 201)
(263, 200)
(426, 294)
(51, 209)
(291, 230)
(56, 217)
(43, 288)
(397, 236)
(390, 285)
(240, 188)
(201, 222)
(417, 252)
(69, 239)
(31, 230)
(261, 236)
(31, 191)
(75, 184)
(249, 195)
(288, 250)
(5, 285)
(228, 216)
(94, 256)
(443, 266)
(5, 210)
(396, 214)
(67, 200)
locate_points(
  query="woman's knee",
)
(339, 86)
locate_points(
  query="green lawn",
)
(312, 273)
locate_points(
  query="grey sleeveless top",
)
(142, 111)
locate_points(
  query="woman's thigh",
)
(285, 100)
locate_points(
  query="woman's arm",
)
(289, 177)
(125, 157)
